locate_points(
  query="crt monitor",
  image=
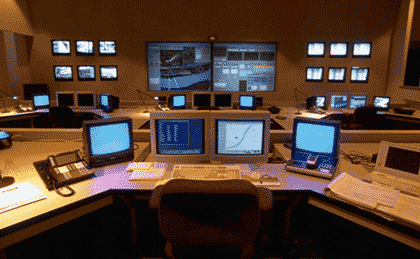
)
(357, 101)
(223, 100)
(316, 101)
(317, 138)
(84, 47)
(41, 101)
(108, 141)
(239, 136)
(86, 100)
(31, 89)
(382, 102)
(108, 102)
(201, 99)
(178, 101)
(65, 99)
(247, 102)
(338, 101)
(179, 136)
(60, 47)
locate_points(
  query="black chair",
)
(367, 118)
(212, 219)
(64, 117)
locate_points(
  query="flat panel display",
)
(222, 100)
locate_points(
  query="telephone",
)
(63, 169)
(22, 108)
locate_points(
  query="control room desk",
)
(98, 192)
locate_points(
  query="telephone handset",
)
(22, 108)
(62, 169)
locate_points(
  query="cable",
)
(355, 157)
(136, 146)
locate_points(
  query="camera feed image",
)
(109, 73)
(338, 101)
(381, 102)
(61, 47)
(338, 49)
(86, 72)
(336, 74)
(314, 73)
(359, 74)
(361, 49)
(357, 101)
(63, 73)
(316, 49)
(182, 66)
(244, 67)
(84, 47)
(107, 47)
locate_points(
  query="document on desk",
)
(407, 208)
(19, 194)
(154, 171)
(350, 189)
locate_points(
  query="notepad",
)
(19, 194)
(156, 171)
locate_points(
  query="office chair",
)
(64, 117)
(212, 219)
(367, 118)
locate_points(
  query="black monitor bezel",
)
(83, 53)
(339, 56)
(349, 101)
(63, 93)
(86, 79)
(315, 56)
(381, 108)
(60, 54)
(41, 107)
(362, 56)
(357, 81)
(106, 54)
(63, 79)
(337, 81)
(27, 95)
(247, 107)
(314, 80)
(223, 95)
(171, 102)
(108, 79)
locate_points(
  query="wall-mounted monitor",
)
(41, 101)
(31, 89)
(108, 73)
(177, 101)
(382, 102)
(86, 100)
(359, 75)
(357, 101)
(223, 100)
(179, 66)
(86, 73)
(201, 100)
(107, 48)
(338, 50)
(63, 73)
(247, 102)
(338, 101)
(65, 99)
(244, 67)
(316, 50)
(362, 50)
(84, 47)
(61, 47)
(314, 74)
(337, 74)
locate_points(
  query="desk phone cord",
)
(62, 194)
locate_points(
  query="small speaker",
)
(273, 110)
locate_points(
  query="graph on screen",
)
(240, 137)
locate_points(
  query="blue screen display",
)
(357, 101)
(315, 138)
(41, 100)
(108, 139)
(246, 101)
(180, 137)
(104, 100)
(179, 100)
(4, 135)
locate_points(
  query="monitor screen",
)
(336, 74)
(338, 101)
(107, 47)
(321, 102)
(104, 100)
(246, 102)
(314, 74)
(359, 75)
(177, 101)
(63, 73)
(87, 100)
(236, 137)
(244, 67)
(60, 47)
(176, 66)
(202, 100)
(362, 50)
(222, 100)
(316, 49)
(315, 138)
(31, 89)
(108, 141)
(357, 101)
(338, 49)
(65, 99)
(84, 47)
(86, 73)
(41, 101)
(381, 101)
(108, 73)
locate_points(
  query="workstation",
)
(109, 215)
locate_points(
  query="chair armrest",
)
(265, 197)
(154, 202)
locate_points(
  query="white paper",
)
(407, 208)
(19, 194)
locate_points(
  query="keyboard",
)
(206, 172)
(400, 184)
(298, 167)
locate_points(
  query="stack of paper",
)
(146, 171)
(19, 194)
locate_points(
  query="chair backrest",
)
(63, 117)
(366, 116)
